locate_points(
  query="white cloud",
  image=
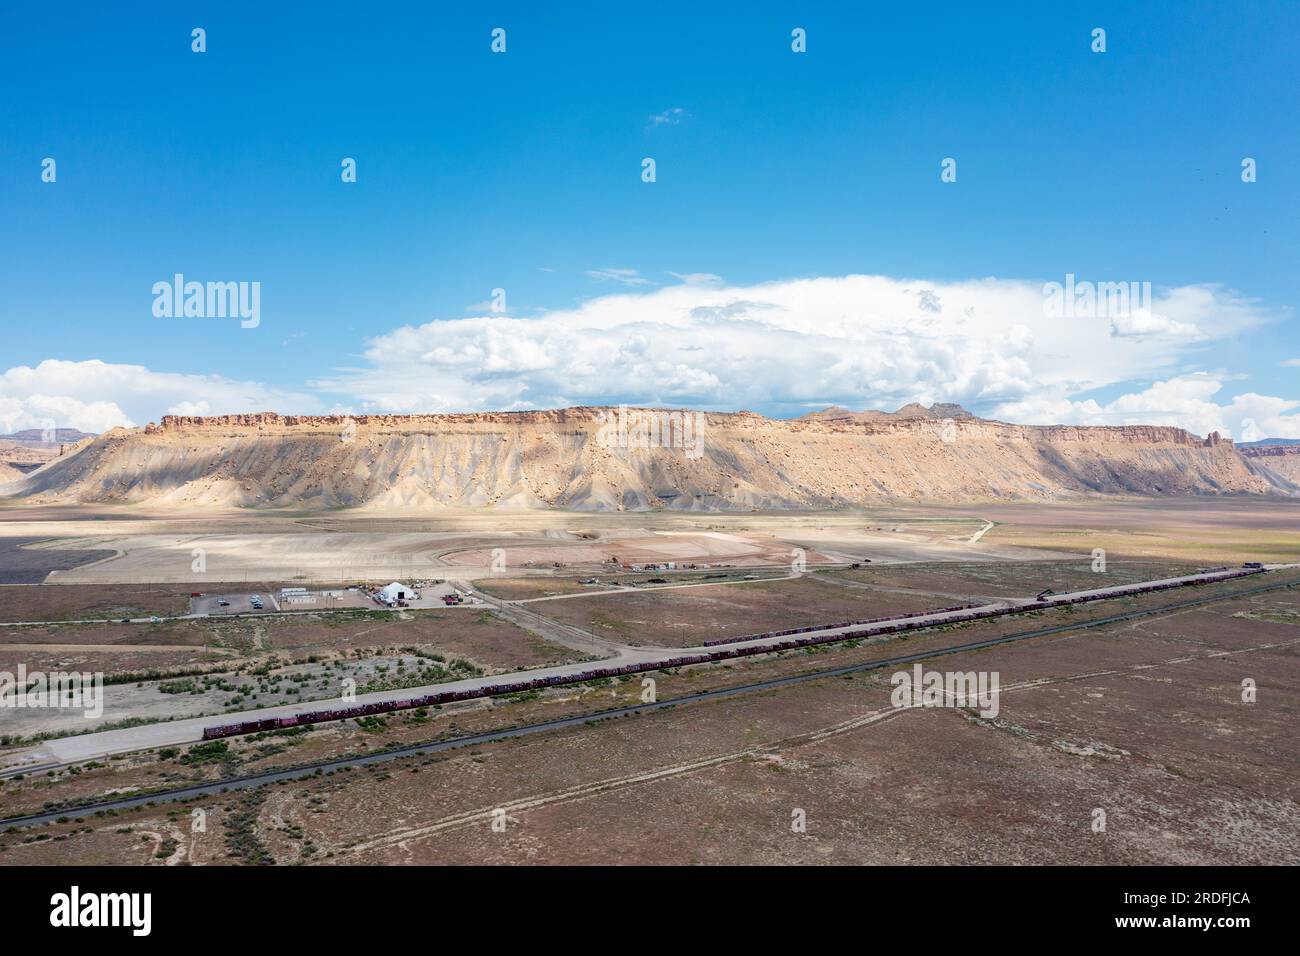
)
(784, 347)
(1292, 363)
(631, 277)
(1142, 322)
(669, 117)
(96, 396)
(1186, 401)
(59, 411)
(696, 278)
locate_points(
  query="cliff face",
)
(1278, 462)
(589, 458)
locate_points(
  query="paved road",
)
(307, 770)
(102, 744)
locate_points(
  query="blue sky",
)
(774, 170)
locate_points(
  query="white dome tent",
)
(397, 592)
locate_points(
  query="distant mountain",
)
(18, 458)
(1268, 441)
(37, 437)
(911, 412)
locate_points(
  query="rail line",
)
(752, 645)
(453, 743)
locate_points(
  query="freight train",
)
(899, 622)
(827, 627)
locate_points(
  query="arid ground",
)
(1167, 738)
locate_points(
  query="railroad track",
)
(453, 743)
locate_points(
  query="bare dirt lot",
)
(514, 589)
(707, 547)
(527, 589)
(682, 617)
(1199, 531)
(1007, 580)
(84, 601)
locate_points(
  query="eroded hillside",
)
(1281, 462)
(563, 459)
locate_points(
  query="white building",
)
(396, 592)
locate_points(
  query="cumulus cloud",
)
(95, 396)
(1187, 401)
(58, 411)
(785, 347)
(1143, 323)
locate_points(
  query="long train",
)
(883, 626)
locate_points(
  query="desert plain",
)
(1143, 719)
